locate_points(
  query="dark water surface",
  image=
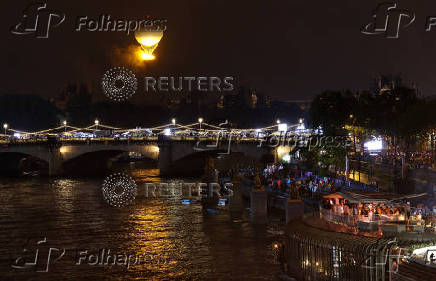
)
(184, 242)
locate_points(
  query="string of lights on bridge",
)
(167, 129)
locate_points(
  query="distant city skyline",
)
(299, 51)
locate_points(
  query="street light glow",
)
(167, 132)
(65, 123)
(200, 120)
(278, 121)
(96, 122)
(283, 127)
(376, 144)
(173, 121)
(5, 126)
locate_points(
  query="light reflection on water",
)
(73, 215)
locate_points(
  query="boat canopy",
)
(370, 197)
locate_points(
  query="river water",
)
(176, 242)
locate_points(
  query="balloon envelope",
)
(148, 40)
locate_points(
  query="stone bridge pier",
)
(54, 160)
(179, 152)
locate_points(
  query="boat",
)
(186, 202)
(212, 211)
(31, 174)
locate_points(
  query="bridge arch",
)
(36, 151)
(96, 158)
(70, 152)
(17, 163)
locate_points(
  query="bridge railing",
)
(15, 141)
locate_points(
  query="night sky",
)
(285, 49)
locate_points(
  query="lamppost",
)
(65, 125)
(5, 126)
(173, 121)
(200, 120)
(96, 122)
(278, 121)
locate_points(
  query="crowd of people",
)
(415, 160)
(283, 181)
(377, 211)
(372, 211)
(276, 179)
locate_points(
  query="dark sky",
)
(287, 49)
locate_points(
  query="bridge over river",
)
(166, 150)
(170, 145)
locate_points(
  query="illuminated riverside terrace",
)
(364, 236)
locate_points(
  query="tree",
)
(28, 112)
(331, 110)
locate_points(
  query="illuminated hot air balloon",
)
(149, 41)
